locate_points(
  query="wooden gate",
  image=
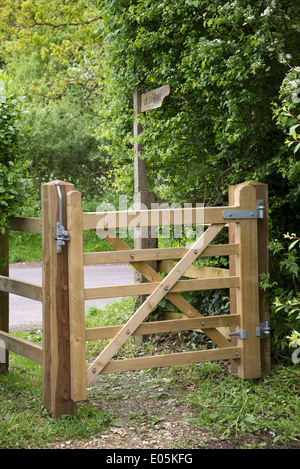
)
(66, 375)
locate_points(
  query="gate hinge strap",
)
(234, 214)
(240, 333)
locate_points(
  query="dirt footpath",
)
(151, 416)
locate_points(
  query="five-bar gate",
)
(66, 375)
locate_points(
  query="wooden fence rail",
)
(8, 285)
(66, 375)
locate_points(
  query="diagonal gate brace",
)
(157, 295)
(175, 298)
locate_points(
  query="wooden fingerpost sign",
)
(143, 102)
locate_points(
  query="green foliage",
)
(62, 147)
(287, 116)
(48, 48)
(225, 62)
(55, 38)
(284, 295)
(233, 68)
(15, 189)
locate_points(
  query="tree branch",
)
(63, 25)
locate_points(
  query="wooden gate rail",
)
(156, 254)
(183, 358)
(146, 289)
(155, 217)
(169, 325)
(66, 375)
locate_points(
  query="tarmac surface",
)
(26, 314)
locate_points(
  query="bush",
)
(284, 297)
(15, 188)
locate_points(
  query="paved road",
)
(27, 314)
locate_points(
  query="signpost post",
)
(143, 102)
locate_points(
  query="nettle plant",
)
(15, 188)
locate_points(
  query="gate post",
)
(56, 334)
(4, 299)
(76, 298)
(247, 296)
(263, 268)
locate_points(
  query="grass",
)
(24, 423)
(255, 413)
(267, 407)
(27, 247)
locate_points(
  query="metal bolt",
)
(195, 252)
(132, 256)
(166, 288)
(94, 370)
(230, 214)
(202, 322)
(251, 213)
(128, 331)
(236, 353)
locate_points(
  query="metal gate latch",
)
(240, 333)
(62, 235)
(264, 330)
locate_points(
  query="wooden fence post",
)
(263, 268)
(4, 298)
(76, 297)
(247, 301)
(56, 334)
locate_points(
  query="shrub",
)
(15, 188)
(284, 297)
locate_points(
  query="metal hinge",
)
(240, 333)
(62, 235)
(263, 331)
(234, 214)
